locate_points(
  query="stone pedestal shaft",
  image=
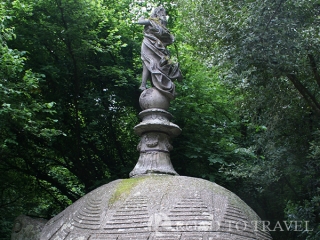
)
(155, 130)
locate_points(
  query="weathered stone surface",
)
(154, 148)
(153, 162)
(156, 120)
(155, 203)
(156, 131)
(27, 228)
(155, 56)
(153, 98)
(157, 207)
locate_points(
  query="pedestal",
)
(156, 131)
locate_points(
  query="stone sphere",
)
(157, 207)
(153, 98)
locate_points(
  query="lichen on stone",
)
(124, 188)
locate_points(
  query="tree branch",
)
(274, 14)
(33, 171)
(310, 99)
(11, 202)
(314, 68)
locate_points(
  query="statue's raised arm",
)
(157, 65)
(143, 21)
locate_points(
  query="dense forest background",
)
(249, 105)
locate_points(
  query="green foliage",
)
(260, 42)
(27, 126)
(78, 47)
(308, 213)
(269, 51)
(65, 109)
(205, 110)
(248, 107)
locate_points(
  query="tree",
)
(77, 46)
(269, 51)
(249, 105)
(27, 126)
(205, 111)
(68, 103)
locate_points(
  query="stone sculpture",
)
(157, 207)
(157, 65)
(156, 203)
(156, 130)
(27, 228)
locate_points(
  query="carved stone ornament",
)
(157, 65)
(155, 203)
(155, 130)
(157, 207)
(27, 228)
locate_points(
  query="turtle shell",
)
(157, 207)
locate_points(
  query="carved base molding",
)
(155, 130)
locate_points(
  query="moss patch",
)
(124, 188)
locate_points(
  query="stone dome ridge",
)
(157, 207)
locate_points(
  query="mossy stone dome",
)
(157, 207)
